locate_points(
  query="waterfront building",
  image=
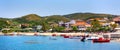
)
(117, 20)
(80, 24)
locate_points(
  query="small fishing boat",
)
(66, 36)
(54, 35)
(62, 35)
(101, 40)
(35, 34)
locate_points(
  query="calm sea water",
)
(48, 43)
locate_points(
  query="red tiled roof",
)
(116, 19)
(81, 23)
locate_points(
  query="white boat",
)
(93, 37)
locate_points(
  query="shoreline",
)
(57, 34)
(48, 33)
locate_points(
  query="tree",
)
(6, 31)
(95, 25)
(45, 25)
(74, 28)
(104, 29)
(89, 29)
(113, 26)
(3, 24)
(59, 29)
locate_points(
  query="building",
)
(117, 20)
(103, 21)
(80, 24)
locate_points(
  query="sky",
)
(18, 8)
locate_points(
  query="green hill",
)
(28, 18)
(85, 16)
(34, 19)
(57, 18)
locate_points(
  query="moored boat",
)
(35, 34)
(101, 40)
(66, 36)
(54, 35)
(92, 37)
(62, 35)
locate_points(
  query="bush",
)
(74, 28)
(59, 29)
(7, 31)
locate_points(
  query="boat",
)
(62, 35)
(35, 34)
(92, 37)
(54, 35)
(101, 40)
(66, 36)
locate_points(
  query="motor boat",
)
(54, 35)
(35, 34)
(101, 40)
(92, 37)
(66, 36)
(62, 35)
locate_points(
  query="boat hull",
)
(101, 41)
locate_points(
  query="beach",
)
(58, 34)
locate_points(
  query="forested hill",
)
(85, 16)
(35, 19)
(28, 18)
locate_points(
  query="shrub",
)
(7, 31)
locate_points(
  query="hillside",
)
(35, 19)
(57, 18)
(28, 18)
(85, 16)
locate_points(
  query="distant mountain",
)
(85, 16)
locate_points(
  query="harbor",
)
(59, 25)
(49, 43)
